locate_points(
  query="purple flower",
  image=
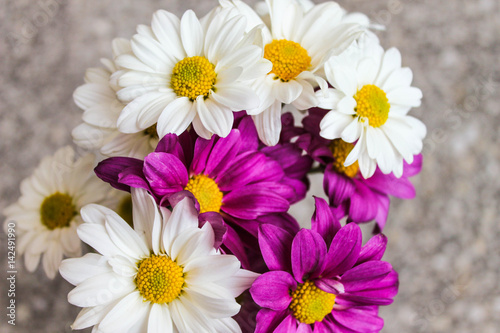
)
(227, 175)
(322, 280)
(352, 195)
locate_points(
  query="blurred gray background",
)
(445, 243)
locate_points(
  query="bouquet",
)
(200, 134)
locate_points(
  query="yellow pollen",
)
(372, 104)
(159, 279)
(289, 58)
(311, 304)
(340, 149)
(57, 211)
(207, 192)
(193, 77)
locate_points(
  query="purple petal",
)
(134, 177)
(413, 169)
(236, 246)
(338, 187)
(373, 249)
(223, 153)
(290, 158)
(268, 320)
(304, 328)
(365, 276)
(323, 221)
(282, 220)
(109, 169)
(252, 201)
(364, 204)
(288, 325)
(202, 150)
(165, 173)
(249, 136)
(389, 184)
(175, 198)
(308, 252)
(170, 144)
(272, 290)
(275, 244)
(362, 319)
(332, 286)
(381, 293)
(344, 251)
(218, 225)
(382, 212)
(247, 168)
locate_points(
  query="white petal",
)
(166, 27)
(187, 317)
(97, 237)
(239, 282)
(51, 259)
(287, 92)
(159, 319)
(191, 244)
(146, 217)
(77, 270)
(143, 111)
(100, 289)
(268, 124)
(191, 34)
(359, 148)
(200, 129)
(333, 124)
(214, 307)
(202, 268)
(176, 117)
(307, 98)
(352, 131)
(408, 96)
(330, 99)
(125, 238)
(152, 54)
(215, 117)
(400, 77)
(126, 313)
(236, 96)
(184, 216)
(390, 62)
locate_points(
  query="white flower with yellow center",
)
(164, 276)
(369, 107)
(299, 39)
(48, 212)
(97, 97)
(185, 72)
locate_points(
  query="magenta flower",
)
(227, 175)
(360, 199)
(322, 280)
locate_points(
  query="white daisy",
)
(97, 97)
(298, 41)
(164, 276)
(47, 213)
(186, 71)
(369, 106)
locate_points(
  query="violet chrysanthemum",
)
(352, 195)
(227, 175)
(322, 280)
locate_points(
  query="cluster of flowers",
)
(186, 123)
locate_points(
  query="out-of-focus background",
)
(445, 243)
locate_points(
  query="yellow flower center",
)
(159, 279)
(207, 192)
(193, 77)
(311, 304)
(151, 131)
(340, 149)
(125, 210)
(289, 58)
(372, 104)
(57, 211)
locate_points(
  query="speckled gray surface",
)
(445, 243)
